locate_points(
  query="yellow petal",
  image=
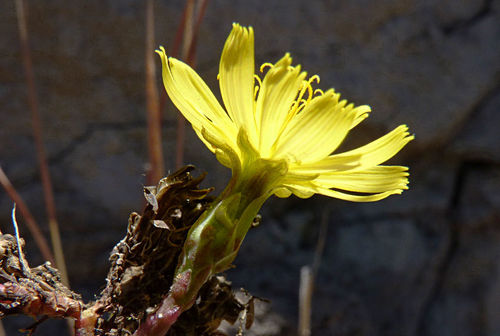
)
(373, 180)
(318, 129)
(276, 95)
(307, 191)
(301, 191)
(282, 192)
(236, 78)
(382, 149)
(221, 155)
(361, 113)
(331, 163)
(370, 155)
(194, 99)
(228, 155)
(207, 143)
(358, 198)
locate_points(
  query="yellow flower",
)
(281, 123)
(277, 135)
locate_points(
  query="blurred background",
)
(423, 263)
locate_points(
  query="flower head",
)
(279, 132)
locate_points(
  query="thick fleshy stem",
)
(211, 246)
(165, 316)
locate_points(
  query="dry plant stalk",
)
(152, 102)
(187, 37)
(190, 29)
(307, 277)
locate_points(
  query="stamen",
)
(257, 86)
(255, 91)
(302, 105)
(309, 91)
(218, 76)
(318, 91)
(259, 81)
(314, 78)
(294, 105)
(306, 86)
(298, 105)
(265, 65)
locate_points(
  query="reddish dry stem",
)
(191, 56)
(187, 37)
(175, 51)
(153, 107)
(187, 34)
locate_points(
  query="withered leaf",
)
(250, 307)
(151, 198)
(162, 225)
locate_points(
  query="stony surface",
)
(422, 264)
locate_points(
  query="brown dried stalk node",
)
(141, 272)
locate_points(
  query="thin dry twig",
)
(305, 300)
(38, 137)
(178, 42)
(156, 170)
(307, 277)
(191, 54)
(30, 220)
(2, 330)
(16, 232)
(181, 121)
(175, 51)
(187, 36)
(320, 244)
(179, 34)
(188, 29)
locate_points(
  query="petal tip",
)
(239, 29)
(161, 51)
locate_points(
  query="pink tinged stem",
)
(170, 309)
(159, 323)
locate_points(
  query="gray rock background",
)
(425, 263)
